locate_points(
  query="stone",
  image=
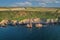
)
(4, 22)
(38, 25)
(29, 25)
(14, 22)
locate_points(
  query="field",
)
(23, 13)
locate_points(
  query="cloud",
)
(57, 1)
(46, 1)
(33, 0)
(42, 4)
(22, 4)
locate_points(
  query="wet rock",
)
(38, 25)
(29, 25)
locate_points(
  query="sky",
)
(30, 3)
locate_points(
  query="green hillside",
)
(30, 13)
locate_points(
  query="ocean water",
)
(21, 32)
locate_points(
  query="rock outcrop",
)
(29, 25)
(14, 22)
(36, 20)
(28, 22)
(48, 21)
(38, 25)
(31, 20)
(52, 20)
(4, 22)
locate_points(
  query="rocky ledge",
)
(32, 20)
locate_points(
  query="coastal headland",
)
(28, 15)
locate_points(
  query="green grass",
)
(16, 15)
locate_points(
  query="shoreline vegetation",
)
(25, 14)
(20, 15)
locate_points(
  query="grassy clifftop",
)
(29, 13)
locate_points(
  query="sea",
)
(21, 32)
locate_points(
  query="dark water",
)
(48, 32)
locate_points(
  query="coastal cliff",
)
(29, 15)
(38, 21)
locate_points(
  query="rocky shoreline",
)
(30, 21)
